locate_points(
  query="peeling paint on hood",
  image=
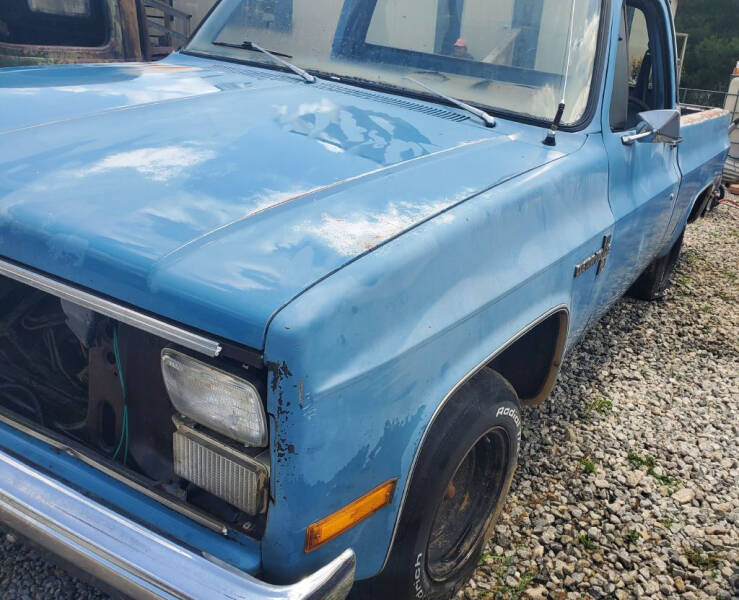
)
(213, 194)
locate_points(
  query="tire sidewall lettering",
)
(417, 580)
(513, 414)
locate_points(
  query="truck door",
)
(643, 177)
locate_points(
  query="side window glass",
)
(76, 23)
(620, 97)
(640, 56)
(645, 62)
(67, 8)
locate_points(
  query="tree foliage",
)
(713, 45)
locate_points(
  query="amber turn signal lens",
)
(345, 518)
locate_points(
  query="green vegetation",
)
(632, 535)
(585, 541)
(587, 465)
(702, 561)
(649, 462)
(713, 45)
(496, 558)
(599, 405)
(499, 565)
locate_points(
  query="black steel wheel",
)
(456, 493)
(468, 501)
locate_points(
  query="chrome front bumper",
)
(132, 559)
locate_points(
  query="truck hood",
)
(212, 194)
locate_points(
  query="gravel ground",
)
(628, 481)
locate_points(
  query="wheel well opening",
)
(531, 362)
(700, 204)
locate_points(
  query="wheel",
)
(457, 491)
(655, 280)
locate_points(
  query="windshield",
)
(503, 54)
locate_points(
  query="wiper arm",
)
(486, 118)
(275, 56)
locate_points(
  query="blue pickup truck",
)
(269, 308)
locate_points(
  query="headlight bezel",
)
(189, 400)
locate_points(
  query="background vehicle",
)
(269, 307)
(79, 31)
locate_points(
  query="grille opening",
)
(59, 374)
(108, 426)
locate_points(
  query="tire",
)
(655, 280)
(456, 493)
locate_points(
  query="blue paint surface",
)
(202, 161)
(377, 249)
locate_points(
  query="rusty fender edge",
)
(132, 559)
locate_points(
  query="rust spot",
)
(278, 371)
(377, 240)
(451, 491)
(704, 115)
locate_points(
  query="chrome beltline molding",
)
(121, 313)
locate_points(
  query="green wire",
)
(124, 428)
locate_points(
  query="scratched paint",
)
(358, 233)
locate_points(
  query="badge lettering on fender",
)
(599, 257)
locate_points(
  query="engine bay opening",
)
(98, 383)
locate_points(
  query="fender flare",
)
(450, 394)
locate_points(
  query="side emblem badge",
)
(599, 257)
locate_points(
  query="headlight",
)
(216, 399)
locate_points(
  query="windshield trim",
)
(585, 120)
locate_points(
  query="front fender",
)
(363, 360)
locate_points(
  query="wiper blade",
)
(275, 56)
(486, 118)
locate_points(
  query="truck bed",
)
(704, 150)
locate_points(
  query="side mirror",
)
(657, 126)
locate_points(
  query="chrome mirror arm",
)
(628, 140)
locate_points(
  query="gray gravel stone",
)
(684, 495)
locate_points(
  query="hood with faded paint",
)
(212, 193)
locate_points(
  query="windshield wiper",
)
(275, 56)
(486, 118)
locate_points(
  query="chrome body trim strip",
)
(560, 308)
(121, 313)
(132, 559)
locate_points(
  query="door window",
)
(83, 23)
(641, 81)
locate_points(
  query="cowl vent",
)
(441, 113)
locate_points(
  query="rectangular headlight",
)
(216, 399)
